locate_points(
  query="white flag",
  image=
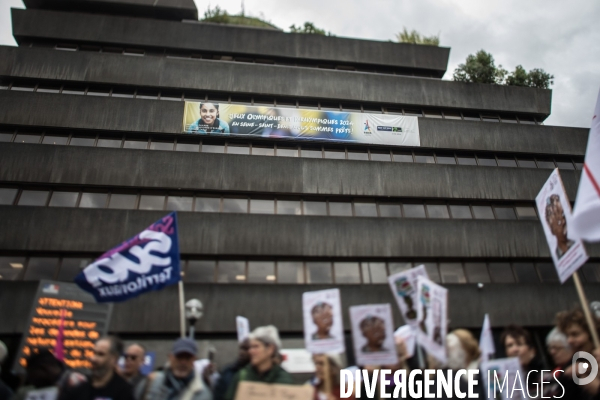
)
(486, 340)
(586, 214)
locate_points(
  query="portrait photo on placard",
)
(373, 334)
(404, 288)
(323, 324)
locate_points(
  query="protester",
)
(5, 392)
(43, 371)
(517, 342)
(264, 349)
(561, 353)
(463, 350)
(179, 381)
(318, 381)
(105, 382)
(131, 371)
(579, 338)
(228, 373)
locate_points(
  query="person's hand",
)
(207, 372)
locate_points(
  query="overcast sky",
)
(559, 36)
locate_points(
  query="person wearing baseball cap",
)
(179, 381)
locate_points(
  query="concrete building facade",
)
(92, 152)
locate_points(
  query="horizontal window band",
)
(308, 271)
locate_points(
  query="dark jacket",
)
(249, 374)
(225, 380)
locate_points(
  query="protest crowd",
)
(184, 377)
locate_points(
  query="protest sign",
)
(554, 210)
(373, 334)
(297, 361)
(486, 340)
(404, 289)
(148, 261)
(407, 334)
(50, 393)
(263, 391)
(323, 324)
(433, 318)
(84, 321)
(243, 328)
(504, 379)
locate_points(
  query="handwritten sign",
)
(263, 391)
(85, 321)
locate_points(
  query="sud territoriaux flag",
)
(148, 261)
(585, 223)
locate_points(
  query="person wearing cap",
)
(263, 368)
(179, 381)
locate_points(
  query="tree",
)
(480, 68)
(537, 78)
(216, 15)
(415, 37)
(308, 27)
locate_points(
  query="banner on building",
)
(373, 334)
(432, 314)
(323, 325)
(296, 123)
(554, 210)
(85, 321)
(148, 261)
(404, 289)
(586, 215)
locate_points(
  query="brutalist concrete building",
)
(93, 150)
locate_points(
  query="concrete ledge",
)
(154, 116)
(224, 39)
(156, 312)
(161, 9)
(125, 168)
(230, 235)
(275, 80)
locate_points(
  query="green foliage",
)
(480, 68)
(219, 16)
(308, 27)
(519, 77)
(539, 78)
(415, 37)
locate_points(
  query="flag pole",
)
(181, 309)
(586, 309)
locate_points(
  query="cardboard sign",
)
(373, 334)
(85, 322)
(264, 391)
(323, 325)
(404, 289)
(50, 393)
(554, 210)
(433, 318)
(243, 328)
(505, 372)
(407, 334)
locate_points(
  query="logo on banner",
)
(367, 129)
(389, 128)
(148, 261)
(50, 288)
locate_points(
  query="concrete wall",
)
(275, 80)
(125, 168)
(162, 9)
(156, 312)
(230, 235)
(224, 39)
(154, 116)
